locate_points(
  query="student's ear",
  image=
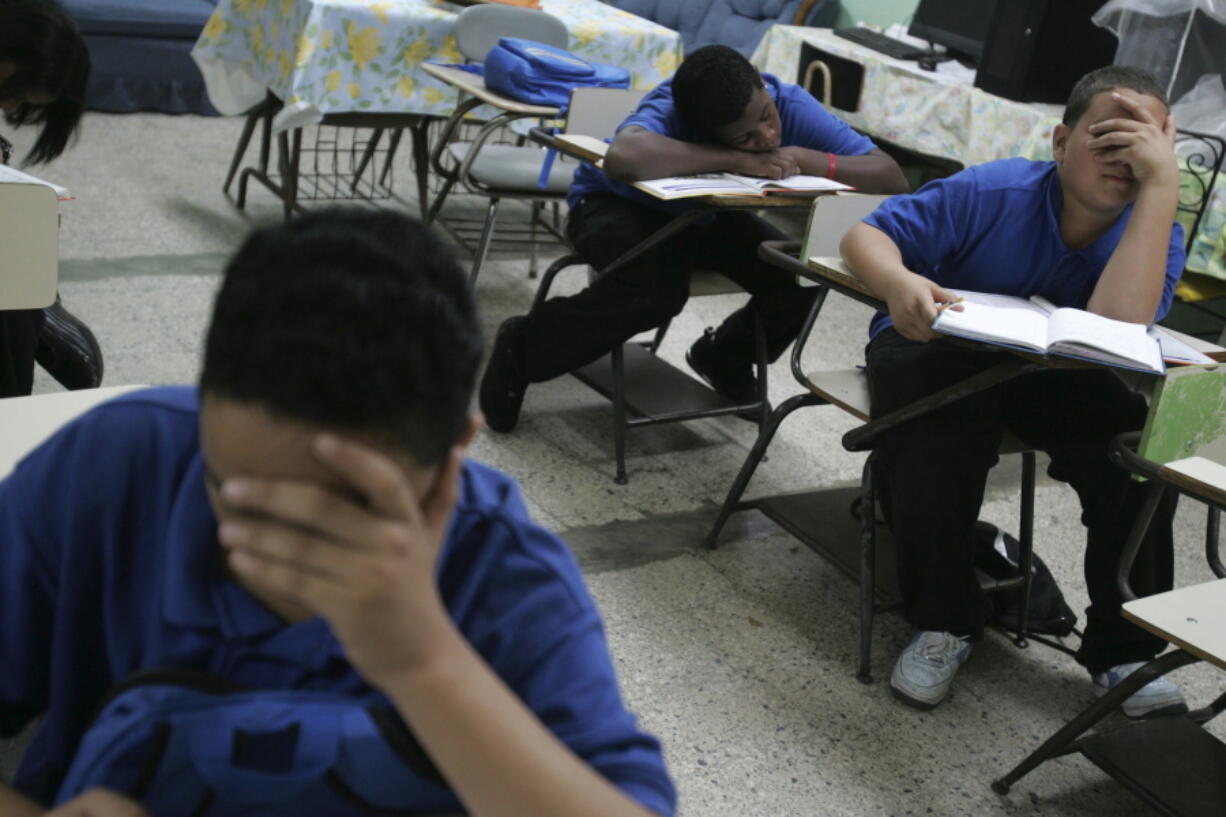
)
(474, 424)
(1059, 141)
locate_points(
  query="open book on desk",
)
(1034, 325)
(11, 175)
(731, 184)
(591, 149)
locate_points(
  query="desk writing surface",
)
(29, 236)
(474, 84)
(1193, 618)
(28, 421)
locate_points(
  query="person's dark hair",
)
(50, 57)
(1107, 79)
(355, 320)
(713, 87)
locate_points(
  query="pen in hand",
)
(947, 304)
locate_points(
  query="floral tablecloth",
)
(947, 116)
(340, 56)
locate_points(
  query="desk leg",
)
(240, 150)
(1064, 741)
(868, 569)
(733, 499)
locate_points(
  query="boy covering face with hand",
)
(1093, 230)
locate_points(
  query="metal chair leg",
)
(763, 366)
(868, 569)
(619, 414)
(542, 290)
(437, 204)
(483, 246)
(1026, 542)
(756, 455)
(532, 250)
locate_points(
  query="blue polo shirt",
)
(803, 122)
(109, 564)
(996, 228)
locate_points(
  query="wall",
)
(878, 12)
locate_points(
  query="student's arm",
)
(911, 298)
(874, 172)
(369, 570)
(637, 154)
(1131, 286)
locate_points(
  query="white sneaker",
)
(925, 670)
(1160, 696)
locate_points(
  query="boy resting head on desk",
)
(716, 114)
(1093, 230)
(306, 520)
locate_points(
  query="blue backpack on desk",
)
(541, 74)
(183, 743)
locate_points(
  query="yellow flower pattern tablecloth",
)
(337, 56)
(941, 116)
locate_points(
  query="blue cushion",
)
(741, 23)
(178, 19)
(736, 23)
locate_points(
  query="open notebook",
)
(1037, 326)
(593, 150)
(731, 184)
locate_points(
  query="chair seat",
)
(516, 169)
(848, 389)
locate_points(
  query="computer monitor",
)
(959, 25)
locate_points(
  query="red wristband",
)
(832, 166)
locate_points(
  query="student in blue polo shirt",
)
(1091, 230)
(716, 114)
(306, 520)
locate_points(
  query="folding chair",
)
(644, 389)
(842, 524)
(497, 171)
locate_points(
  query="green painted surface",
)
(1188, 416)
(878, 12)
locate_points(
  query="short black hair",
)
(50, 57)
(349, 319)
(1107, 79)
(713, 87)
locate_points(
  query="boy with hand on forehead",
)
(1093, 230)
(716, 114)
(307, 520)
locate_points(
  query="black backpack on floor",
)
(996, 554)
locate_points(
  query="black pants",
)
(18, 343)
(568, 332)
(932, 471)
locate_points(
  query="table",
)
(934, 112)
(942, 114)
(344, 56)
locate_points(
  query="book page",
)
(680, 187)
(1003, 319)
(1175, 350)
(1070, 329)
(797, 182)
(10, 175)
